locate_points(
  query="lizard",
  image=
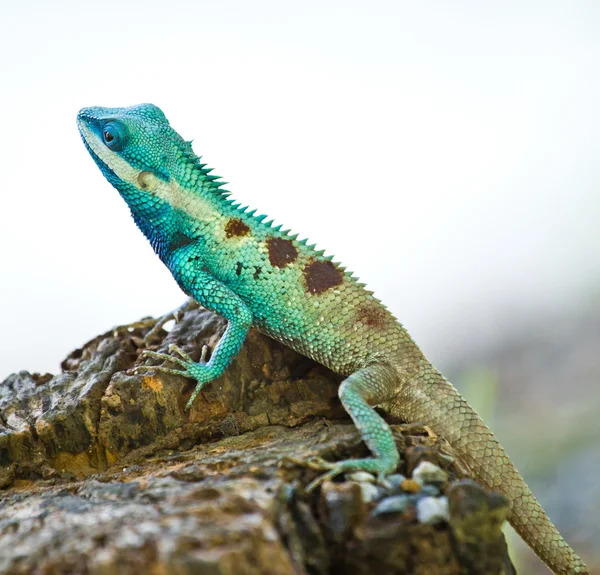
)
(238, 265)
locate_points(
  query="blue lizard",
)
(252, 273)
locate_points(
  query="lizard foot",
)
(200, 371)
(378, 466)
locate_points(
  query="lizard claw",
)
(314, 462)
(322, 479)
(317, 463)
(379, 467)
(182, 361)
(200, 371)
(203, 354)
(185, 357)
(162, 369)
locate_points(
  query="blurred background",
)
(447, 151)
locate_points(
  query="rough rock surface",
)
(104, 472)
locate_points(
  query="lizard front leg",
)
(366, 387)
(216, 297)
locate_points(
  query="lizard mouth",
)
(96, 157)
(104, 158)
(99, 161)
(83, 125)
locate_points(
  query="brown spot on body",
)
(321, 276)
(236, 228)
(257, 270)
(372, 315)
(238, 268)
(281, 252)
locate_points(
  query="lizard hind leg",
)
(366, 387)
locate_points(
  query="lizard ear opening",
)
(146, 181)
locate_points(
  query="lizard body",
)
(235, 264)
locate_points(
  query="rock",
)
(432, 509)
(426, 450)
(369, 492)
(476, 514)
(344, 507)
(105, 472)
(393, 483)
(394, 504)
(99, 412)
(395, 479)
(361, 477)
(476, 520)
(430, 490)
(426, 473)
(410, 486)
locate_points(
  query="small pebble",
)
(410, 485)
(432, 510)
(395, 504)
(428, 473)
(430, 490)
(361, 477)
(395, 479)
(369, 492)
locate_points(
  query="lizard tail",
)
(437, 403)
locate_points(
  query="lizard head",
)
(154, 169)
(135, 147)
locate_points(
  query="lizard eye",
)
(113, 136)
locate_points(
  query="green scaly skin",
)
(237, 265)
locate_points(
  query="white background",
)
(445, 151)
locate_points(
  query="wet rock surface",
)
(103, 471)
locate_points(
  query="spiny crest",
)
(307, 248)
(210, 183)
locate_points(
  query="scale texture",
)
(252, 273)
